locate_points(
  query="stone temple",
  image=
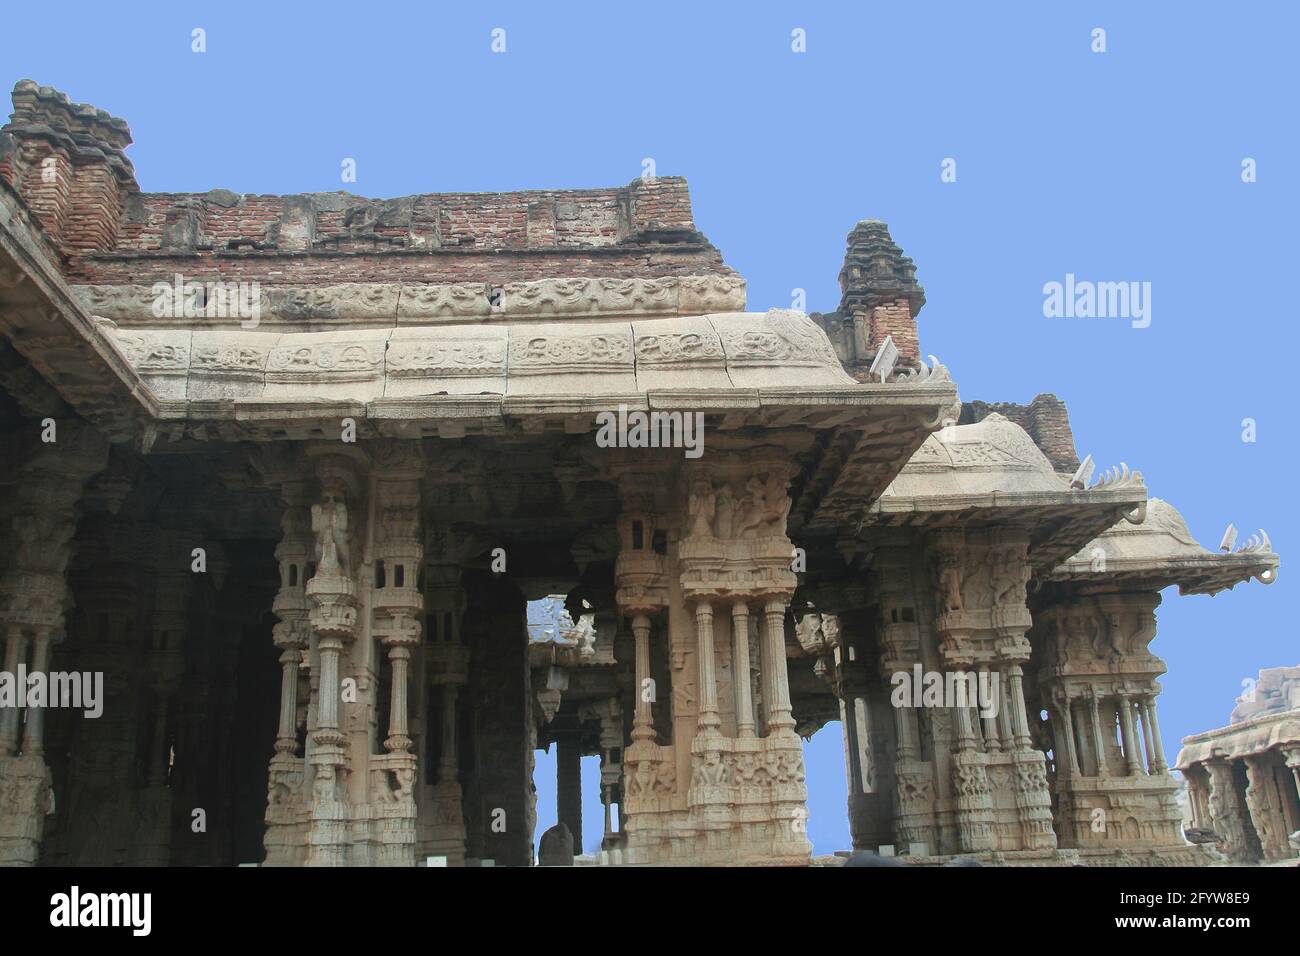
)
(1242, 779)
(286, 471)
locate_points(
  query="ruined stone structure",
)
(286, 470)
(1242, 780)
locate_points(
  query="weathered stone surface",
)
(556, 847)
(1160, 551)
(1252, 816)
(351, 438)
(519, 360)
(395, 303)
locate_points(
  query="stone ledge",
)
(393, 304)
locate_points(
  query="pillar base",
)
(24, 800)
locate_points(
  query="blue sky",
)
(1124, 165)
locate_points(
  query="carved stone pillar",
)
(1226, 810)
(611, 769)
(1142, 713)
(287, 805)
(1009, 557)
(989, 721)
(965, 729)
(397, 615)
(1019, 722)
(1159, 763)
(1265, 813)
(746, 798)
(779, 719)
(330, 645)
(709, 721)
(974, 802)
(34, 727)
(399, 657)
(15, 657)
(568, 786)
(649, 770)
(441, 818)
(1293, 763)
(448, 765)
(740, 669)
(894, 594)
(1099, 753)
(643, 721)
(33, 596)
(1132, 761)
(1065, 727)
(441, 824)
(332, 592)
(286, 737)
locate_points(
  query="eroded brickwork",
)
(1046, 419)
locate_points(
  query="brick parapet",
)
(1046, 419)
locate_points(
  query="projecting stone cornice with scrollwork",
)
(723, 351)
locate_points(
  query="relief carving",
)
(784, 336)
(579, 351)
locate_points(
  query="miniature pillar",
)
(399, 656)
(1098, 753)
(642, 721)
(1159, 765)
(1293, 761)
(286, 738)
(1019, 722)
(904, 719)
(1144, 717)
(709, 721)
(1004, 714)
(15, 652)
(779, 719)
(740, 669)
(448, 765)
(1067, 730)
(965, 732)
(1131, 759)
(33, 730)
(329, 647)
(990, 722)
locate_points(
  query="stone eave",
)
(1252, 736)
(1058, 523)
(455, 416)
(1161, 552)
(999, 506)
(47, 326)
(1209, 574)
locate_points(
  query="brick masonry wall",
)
(1046, 419)
(895, 319)
(46, 195)
(661, 203)
(642, 230)
(94, 209)
(515, 220)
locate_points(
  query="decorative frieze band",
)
(171, 303)
(730, 350)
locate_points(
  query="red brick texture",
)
(1046, 419)
(110, 232)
